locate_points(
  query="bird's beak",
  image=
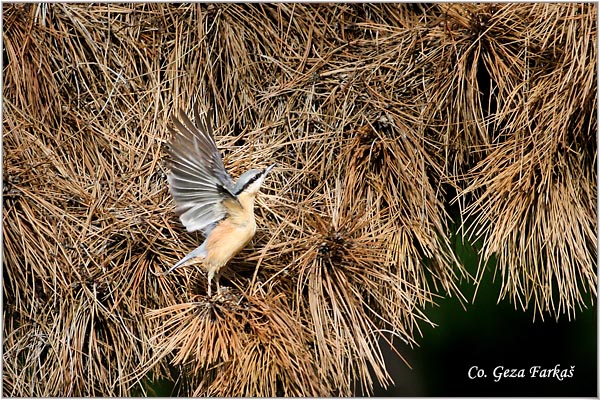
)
(270, 167)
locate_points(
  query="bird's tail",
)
(198, 252)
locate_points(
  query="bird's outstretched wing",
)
(198, 180)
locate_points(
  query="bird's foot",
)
(222, 293)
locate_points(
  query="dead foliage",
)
(535, 190)
(378, 116)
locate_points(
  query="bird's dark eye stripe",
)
(250, 182)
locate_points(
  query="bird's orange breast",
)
(226, 240)
(232, 234)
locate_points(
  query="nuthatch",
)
(206, 198)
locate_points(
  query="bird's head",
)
(251, 181)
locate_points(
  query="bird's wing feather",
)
(198, 180)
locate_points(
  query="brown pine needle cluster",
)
(381, 119)
(254, 341)
(535, 191)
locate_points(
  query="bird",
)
(205, 197)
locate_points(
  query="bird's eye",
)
(250, 181)
(254, 178)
